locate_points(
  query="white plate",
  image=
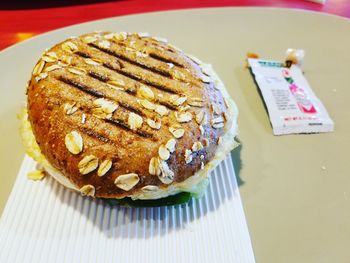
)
(45, 222)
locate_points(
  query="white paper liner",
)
(45, 222)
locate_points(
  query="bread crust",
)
(123, 69)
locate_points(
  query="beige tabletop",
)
(295, 188)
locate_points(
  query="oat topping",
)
(218, 125)
(88, 164)
(120, 36)
(104, 44)
(109, 36)
(66, 60)
(150, 188)
(36, 175)
(70, 108)
(118, 83)
(188, 156)
(170, 145)
(83, 118)
(217, 122)
(224, 114)
(153, 124)
(196, 102)
(131, 50)
(91, 62)
(216, 109)
(163, 152)
(52, 68)
(183, 116)
(197, 146)
(177, 100)
(143, 34)
(70, 47)
(38, 68)
(219, 140)
(127, 181)
(74, 142)
(177, 131)
(166, 176)
(145, 92)
(141, 54)
(184, 108)
(87, 190)
(103, 108)
(154, 168)
(41, 76)
(104, 167)
(89, 39)
(178, 75)
(77, 71)
(132, 44)
(50, 57)
(201, 129)
(201, 117)
(134, 121)
(147, 105)
(226, 103)
(161, 110)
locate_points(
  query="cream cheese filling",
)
(194, 184)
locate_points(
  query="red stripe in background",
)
(20, 23)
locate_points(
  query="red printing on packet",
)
(303, 100)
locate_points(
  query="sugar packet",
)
(292, 105)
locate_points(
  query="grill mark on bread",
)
(168, 105)
(109, 66)
(104, 79)
(166, 60)
(122, 124)
(96, 135)
(156, 46)
(144, 81)
(132, 92)
(98, 76)
(116, 122)
(82, 54)
(131, 108)
(133, 62)
(133, 76)
(98, 94)
(81, 87)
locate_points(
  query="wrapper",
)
(292, 105)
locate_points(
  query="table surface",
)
(296, 210)
(21, 19)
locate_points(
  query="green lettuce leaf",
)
(177, 199)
